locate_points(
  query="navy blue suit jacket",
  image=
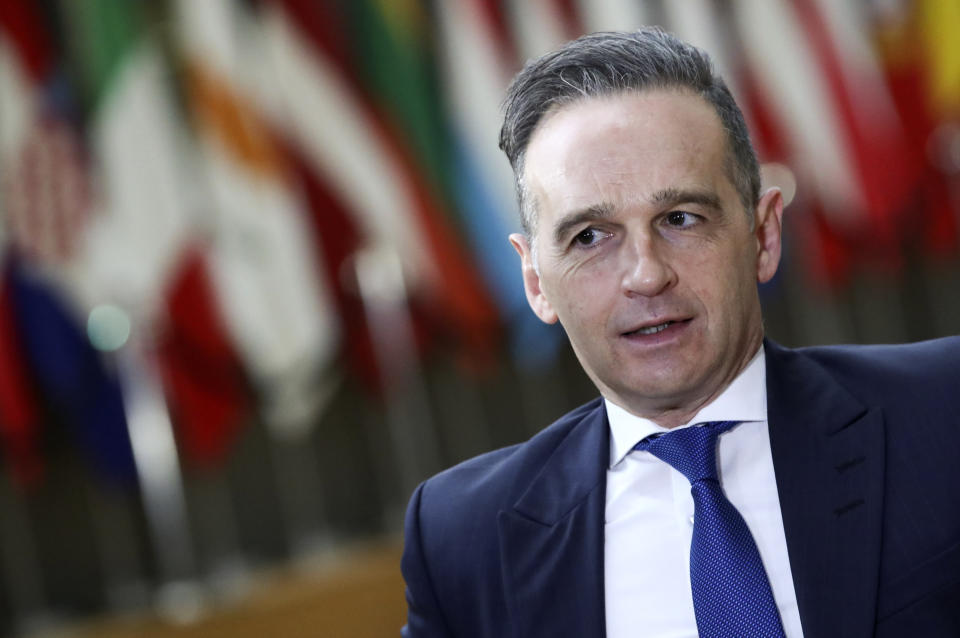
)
(866, 451)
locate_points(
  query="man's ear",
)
(767, 227)
(531, 280)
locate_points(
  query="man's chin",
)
(646, 400)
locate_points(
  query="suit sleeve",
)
(424, 617)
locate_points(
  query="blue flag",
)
(72, 376)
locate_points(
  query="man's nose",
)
(647, 270)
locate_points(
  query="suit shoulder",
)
(495, 480)
(451, 559)
(916, 381)
(935, 362)
(490, 480)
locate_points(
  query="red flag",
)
(22, 26)
(887, 166)
(498, 26)
(335, 230)
(827, 254)
(204, 381)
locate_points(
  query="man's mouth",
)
(652, 330)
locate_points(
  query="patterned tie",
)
(731, 593)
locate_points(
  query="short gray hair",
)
(606, 63)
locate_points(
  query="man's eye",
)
(587, 237)
(681, 219)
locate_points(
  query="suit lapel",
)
(552, 539)
(828, 455)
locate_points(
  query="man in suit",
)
(830, 477)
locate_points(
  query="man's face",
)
(646, 255)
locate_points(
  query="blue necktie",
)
(731, 593)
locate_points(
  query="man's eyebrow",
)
(589, 214)
(665, 198)
(669, 197)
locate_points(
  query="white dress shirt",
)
(649, 515)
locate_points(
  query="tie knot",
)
(691, 451)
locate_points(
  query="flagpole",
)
(299, 488)
(410, 423)
(111, 513)
(290, 420)
(161, 485)
(20, 566)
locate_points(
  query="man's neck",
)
(675, 416)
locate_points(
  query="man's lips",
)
(655, 327)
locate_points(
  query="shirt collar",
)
(745, 399)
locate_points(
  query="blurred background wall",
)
(255, 282)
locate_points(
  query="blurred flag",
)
(44, 177)
(921, 59)
(886, 167)
(818, 96)
(76, 382)
(45, 203)
(351, 144)
(19, 410)
(307, 133)
(205, 382)
(143, 211)
(540, 26)
(24, 64)
(782, 63)
(477, 64)
(265, 267)
(142, 236)
(399, 74)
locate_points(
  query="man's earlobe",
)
(538, 301)
(767, 230)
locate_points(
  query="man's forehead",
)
(622, 133)
(613, 140)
